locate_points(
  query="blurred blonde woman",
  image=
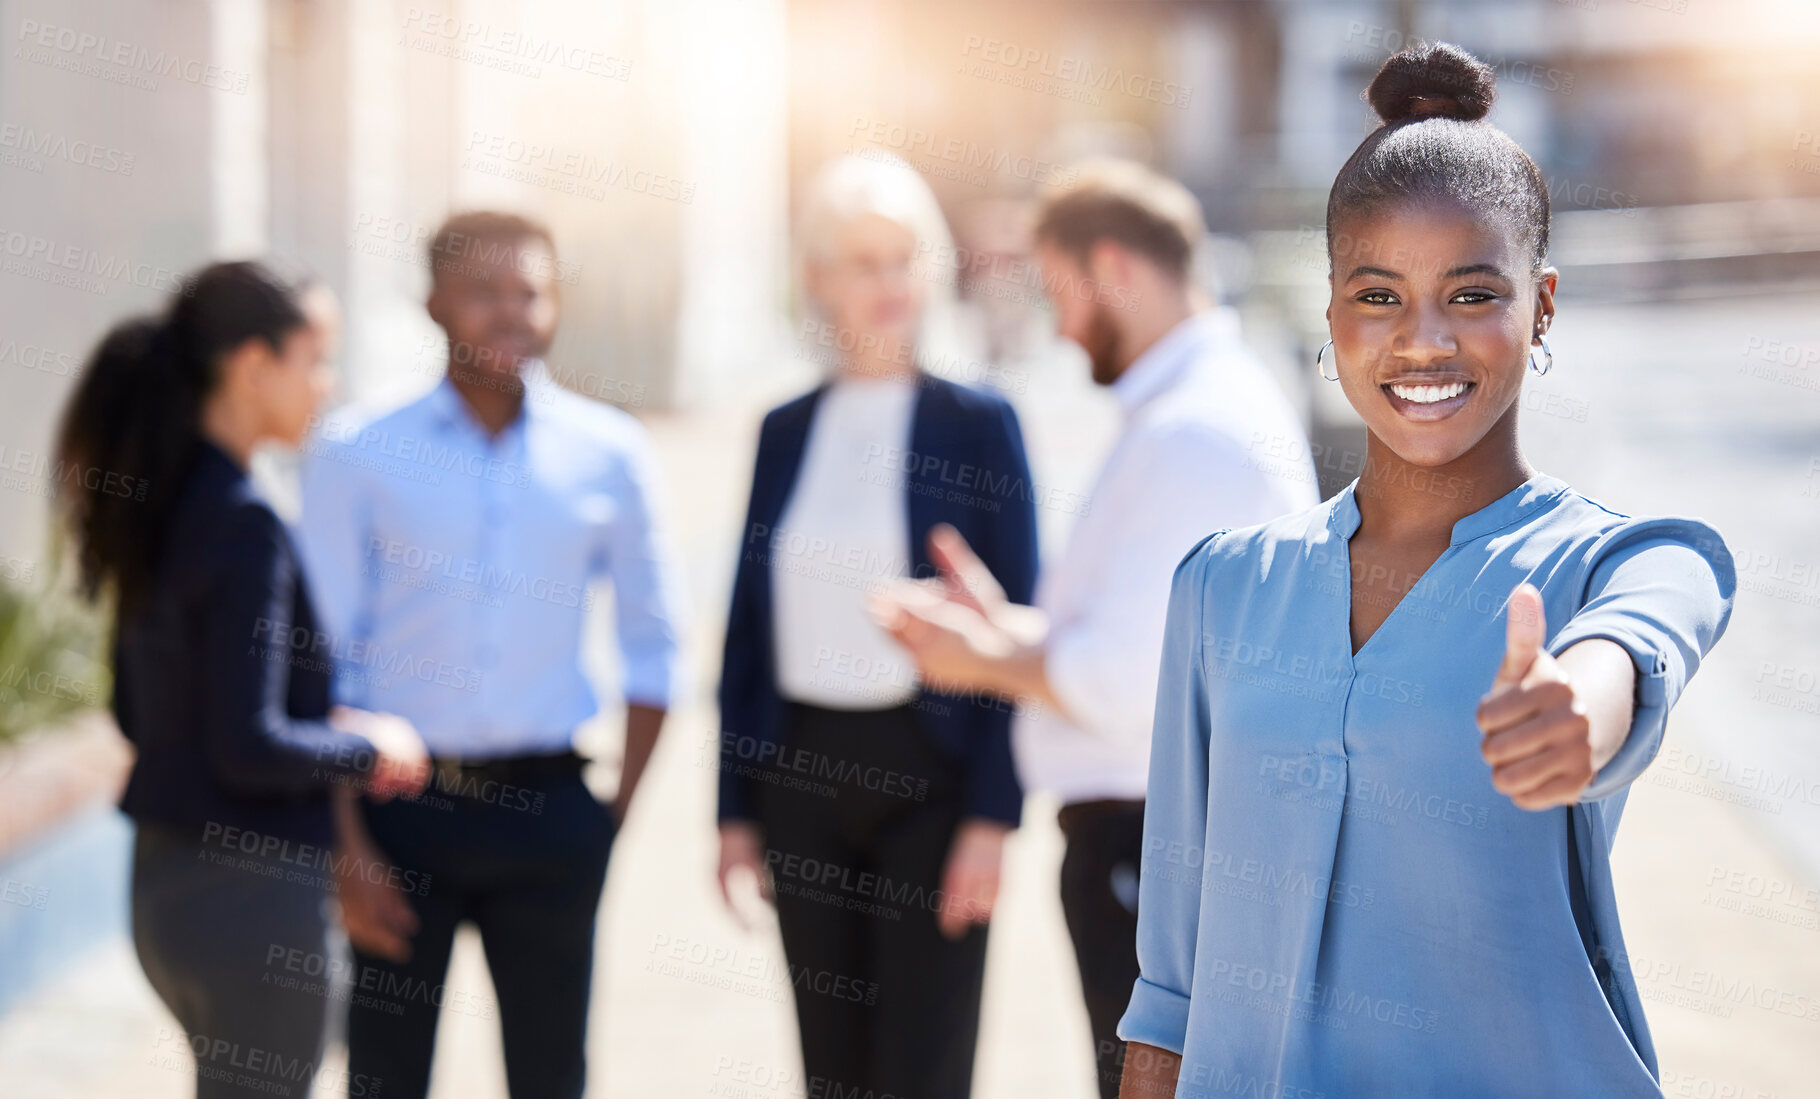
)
(871, 806)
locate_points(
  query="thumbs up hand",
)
(1538, 737)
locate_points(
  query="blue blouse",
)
(1334, 900)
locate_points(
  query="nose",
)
(894, 279)
(1427, 336)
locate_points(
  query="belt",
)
(1078, 814)
(516, 770)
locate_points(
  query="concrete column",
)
(107, 194)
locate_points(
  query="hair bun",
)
(1438, 80)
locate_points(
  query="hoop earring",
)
(1548, 357)
(1318, 355)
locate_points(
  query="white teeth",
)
(1428, 394)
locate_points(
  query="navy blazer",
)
(221, 676)
(965, 467)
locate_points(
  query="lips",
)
(1428, 394)
(1428, 399)
(507, 350)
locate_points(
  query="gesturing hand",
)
(965, 578)
(1538, 737)
(952, 643)
(960, 629)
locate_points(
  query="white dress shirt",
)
(844, 533)
(454, 571)
(1202, 448)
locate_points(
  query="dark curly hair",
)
(131, 430)
(1434, 144)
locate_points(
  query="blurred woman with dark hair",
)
(221, 677)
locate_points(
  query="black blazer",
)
(221, 677)
(965, 467)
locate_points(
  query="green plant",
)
(51, 662)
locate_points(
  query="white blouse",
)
(844, 534)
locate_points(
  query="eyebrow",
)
(1457, 272)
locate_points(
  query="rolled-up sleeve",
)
(1175, 819)
(1662, 589)
(648, 595)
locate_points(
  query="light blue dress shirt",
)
(1334, 901)
(453, 572)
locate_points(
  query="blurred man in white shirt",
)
(1200, 449)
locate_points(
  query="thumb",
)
(968, 580)
(1523, 634)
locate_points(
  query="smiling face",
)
(1432, 313)
(499, 305)
(868, 287)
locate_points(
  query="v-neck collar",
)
(1528, 498)
(1539, 492)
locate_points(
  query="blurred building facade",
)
(139, 141)
(662, 139)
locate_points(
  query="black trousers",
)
(520, 850)
(223, 928)
(858, 824)
(1099, 901)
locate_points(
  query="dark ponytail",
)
(130, 432)
(1434, 144)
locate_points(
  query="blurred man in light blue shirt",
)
(455, 546)
(454, 567)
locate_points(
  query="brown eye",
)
(1378, 297)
